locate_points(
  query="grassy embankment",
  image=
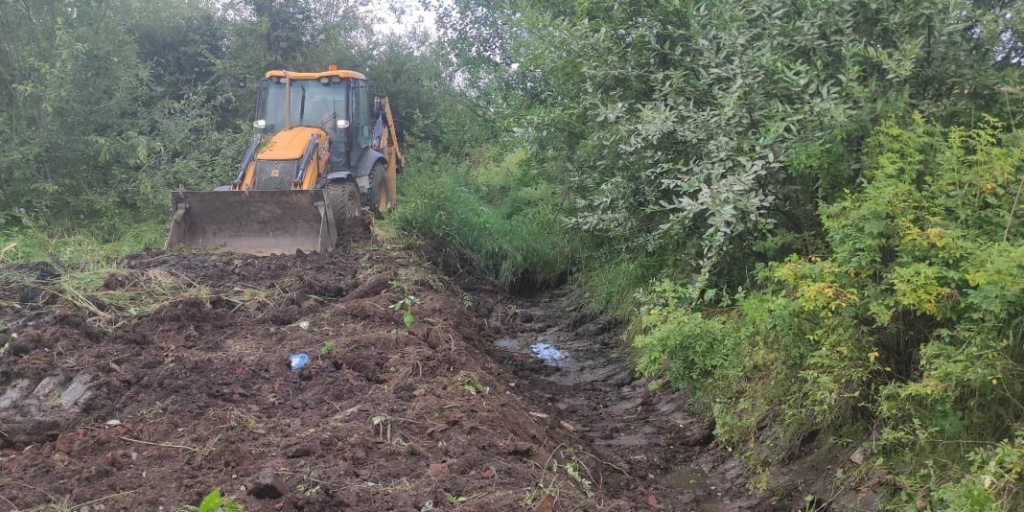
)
(902, 335)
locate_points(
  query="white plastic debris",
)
(547, 352)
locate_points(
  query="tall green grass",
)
(610, 284)
(33, 243)
(506, 220)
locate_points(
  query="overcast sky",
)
(398, 16)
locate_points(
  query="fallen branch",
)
(148, 262)
(178, 446)
(104, 498)
(623, 471)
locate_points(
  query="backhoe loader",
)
(321, 154)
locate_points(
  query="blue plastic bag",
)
(298, 360)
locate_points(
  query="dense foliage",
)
(505, 219)
(108, 106)
(706, 132)
(808, 210)
(913, 319)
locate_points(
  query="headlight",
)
(341, 124)
(259, 124)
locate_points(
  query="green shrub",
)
(682, 344)
(913, 322)
(993, 482)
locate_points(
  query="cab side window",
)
(360, 114)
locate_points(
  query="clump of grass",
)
(30, 243)
(510, 226)
(142, 293)
(610, 285)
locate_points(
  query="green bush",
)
(993, 481)
(679, 343)
(913, 321)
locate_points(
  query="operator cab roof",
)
(295, 75)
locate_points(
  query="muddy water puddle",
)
(548, 353)
(695, 488)
(541, 347)
(552, 351)
(646, 436)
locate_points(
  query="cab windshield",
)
(312, 103)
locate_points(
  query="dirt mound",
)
(26, 283)
(182, 382)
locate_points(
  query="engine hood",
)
(289, 144)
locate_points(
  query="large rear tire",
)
(343, 197)
(380, 190)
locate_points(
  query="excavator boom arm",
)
(387, 138)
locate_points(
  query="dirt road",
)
(425, 389)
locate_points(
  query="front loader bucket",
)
(259, 222)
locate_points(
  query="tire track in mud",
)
(652, 451)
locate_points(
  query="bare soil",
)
(423, 391)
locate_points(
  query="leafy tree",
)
(75, 85)
(182, 43)
(425, 104)
(701, 130)
(295, 34)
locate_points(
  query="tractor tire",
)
(343, 196)
(380, 190)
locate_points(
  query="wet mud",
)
(426, 388)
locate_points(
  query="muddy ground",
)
(426, 389)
